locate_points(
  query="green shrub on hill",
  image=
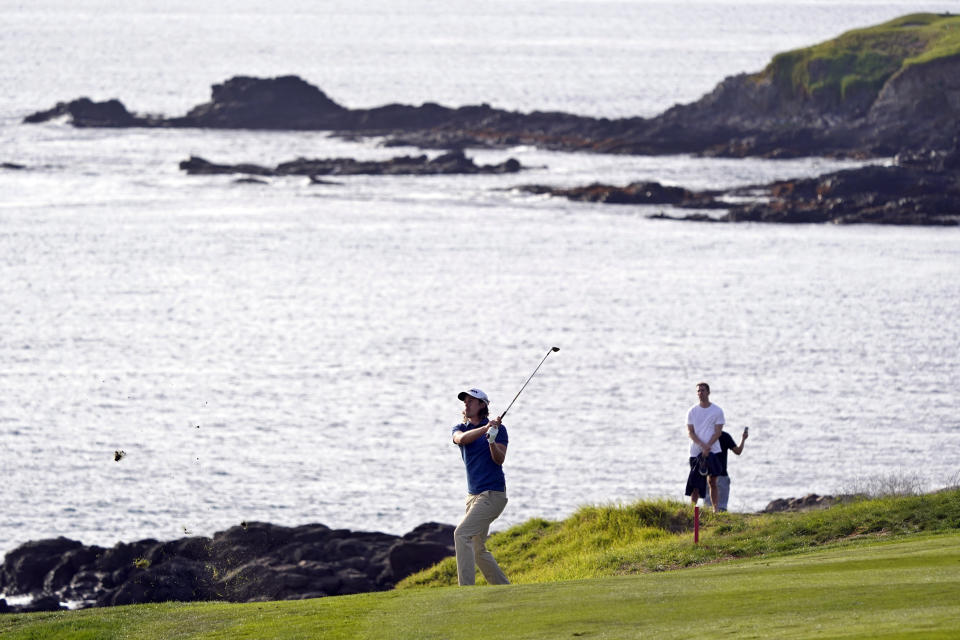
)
(852, 68)
(601, 541)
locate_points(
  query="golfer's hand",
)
(493, 428)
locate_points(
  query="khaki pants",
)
(471, 534)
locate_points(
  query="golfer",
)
(704, 424)
(483, 447)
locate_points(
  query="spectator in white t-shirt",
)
(704, 424)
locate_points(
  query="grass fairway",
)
(899, 589)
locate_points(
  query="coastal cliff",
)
(869, 92)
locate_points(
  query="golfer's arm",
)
(498, 452)
(466, 437)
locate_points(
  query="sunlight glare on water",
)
(291, 352)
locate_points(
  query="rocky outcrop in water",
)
(802, 104)
(806, 503)
(290, 103)
(454, 162)
(918, 189)
(250, 562)
(84, 112)
(633, 193)
(743, 116)
(889, 195)
(873, 92)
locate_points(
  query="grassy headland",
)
(887, 567)
(855, 65)
(653, 536)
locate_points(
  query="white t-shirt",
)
(705, 421)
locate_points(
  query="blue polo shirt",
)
(483, 474)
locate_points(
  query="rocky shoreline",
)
(921, 187)
(918, 189)
(873, 92)
(251, 562)
(745, 115)
(881, 92)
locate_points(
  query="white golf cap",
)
(475, 393)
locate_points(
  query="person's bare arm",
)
(704, 448)
(463, 438)
(716, 436)
(738, 450)
(498, 452)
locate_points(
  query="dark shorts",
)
(697, 481)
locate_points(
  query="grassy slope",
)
(875, 568)
(859, 62)
(658, 535)
(880, 590)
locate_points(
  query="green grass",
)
(875, 568)
(901, 589)
(658, 536)
(855, 65)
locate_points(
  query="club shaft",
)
(526, 383)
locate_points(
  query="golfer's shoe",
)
(702, 465)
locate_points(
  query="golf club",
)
(552, 350)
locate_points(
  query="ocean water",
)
(291, 352)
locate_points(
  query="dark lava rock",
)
(431, 532)
(286, 102)
(84, 112)
(197, 166)
(745, 115)
(633, 193)
(454, 162)
(921, 188)
(250, 562)
(25, 568)
(889, 195)
(806, 503)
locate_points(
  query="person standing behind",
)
(723, 480)
(704, 424)
(483, 447)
